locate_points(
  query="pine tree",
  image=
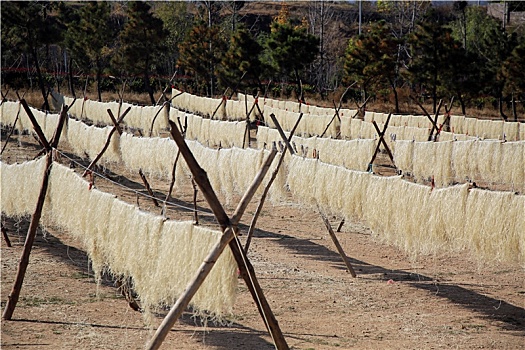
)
(291, 47)
(89, 38)
(371, 60)
(141, 41)
(432, 50)
(201, 54)
(241, 59)
(27, 28)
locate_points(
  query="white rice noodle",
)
(155, 156)
(457, 123)
(262, 136)
(205, 130)
(403, 155)
(494, 226)
(496, 130)
(443, 175)
(302, 180)
(424, 160)
(89, 140)
(182, 247)
(488, 159)
(379, 195)
(369, 116)
(161, 257)
(463, 160)
(20, 186)
(9, 111)
(446, 136)
(511, 131)
(161, 122)
(470, 126)
(484, 129)
(353, 154)
(346, 128)
(512, 168)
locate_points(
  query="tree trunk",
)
(40, 78)
(396, 97)
(462, 103)
(514, 108)
(99, 92)
(500, 107)
(147, 85)
(70, 74)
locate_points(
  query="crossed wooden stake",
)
(229, 237)
(382, 141)
(325, 220)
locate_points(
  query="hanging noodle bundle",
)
(161, 257)
(20, 186)
(403, 155)
(155, 156)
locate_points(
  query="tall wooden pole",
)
(266, 189)
(228, 227)
(338, 245)
(35, 218)
(12, 299)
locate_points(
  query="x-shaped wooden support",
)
(382, 140)
(229, 237)
(116, 127)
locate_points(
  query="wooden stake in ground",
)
(266, 189)
(117, 128)
(337, 109)
(195, 191)
(382, 140)
(432, 121)
(12, 299)
(228, 227)
(6, 237)
(281, 132)
(148, 188)
(361, 109)
(337, 244)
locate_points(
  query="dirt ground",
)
(436, 302)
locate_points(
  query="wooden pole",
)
(434, 123)
(265, 192)
(12, 299)
(381, 136)
(281, 132)
(173, 171)
(359, 108)
(12, 129)
(148, 188)
(36, 127)
(259, 109)
(382, 140)
(108, 140)
(6, 237)
(227, 227)
(62, 119)
(195, 213)
(164, 105)
(340, 226)
(338, 245)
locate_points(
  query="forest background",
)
(389, 53)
